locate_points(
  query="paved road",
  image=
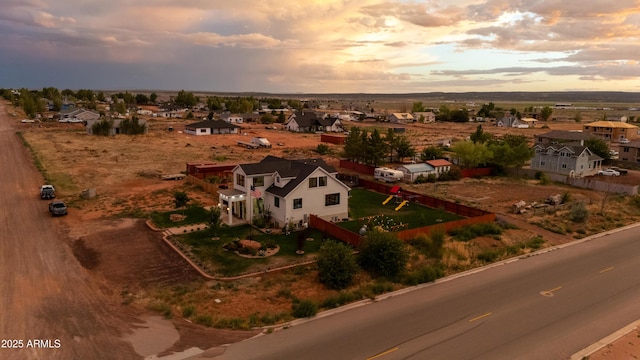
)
(543, 307)
(44, 293)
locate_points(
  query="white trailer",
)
(388, 175)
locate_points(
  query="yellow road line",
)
(605, 270)
(550, 292)
(383, 353)
(480, 317)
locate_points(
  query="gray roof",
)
(307, 118)
(298, 170)
(418, 168)
(565, 135)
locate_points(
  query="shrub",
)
(578, 212)
(430, 246)
(383, 254)
(336, 265)
(205, 320)
(188, 311)
(304, 309)
(322, 149)
(469, 232)
(423, 275)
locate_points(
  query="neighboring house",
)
(562, 137)
(513, 121)
(611, 130)
(617, 118)
(413, 171)
(290, 190)
(440, 166)
(170, 114)
(401, 118)
(424, 116)
(528, 122)
(630, 152)
(232, 118)
(571, 160)
(211, 127)
(303, 121)
(141, 111)
(79, 115)
(330, 124)
(115, 128)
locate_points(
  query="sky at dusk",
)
(321, 46)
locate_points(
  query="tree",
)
(444, 113)
(132, 126)
(545, 113)
(376, 148)
(392, 142)
(267, 118)
(153, 97)
(142, 99)
(479, 136)
(417, 107)
(336, 265)
(353, 144)
(459, 115)
(185, 99)
(215, 219)
(405, 149)
(180, 199)
(102, 127)
(471, 155)
(486, 110)
(431, 153)
(598, 147)
(383, 254)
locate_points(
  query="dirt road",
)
(46, 295)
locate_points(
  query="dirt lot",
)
(125, 171)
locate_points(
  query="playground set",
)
(400, 199)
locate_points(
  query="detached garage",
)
(412, 171)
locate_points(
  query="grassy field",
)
(365, 203)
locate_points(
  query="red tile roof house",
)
(440, 166)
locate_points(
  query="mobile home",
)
(388, 175)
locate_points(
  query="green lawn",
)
(226, 263)
(363, 203)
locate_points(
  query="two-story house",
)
(569, 160)
(611, 130)
(630, 152)
(290, 190)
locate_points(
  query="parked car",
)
(57, 208)
(608, 172)
(621, 171)
(624, 141)
(47, 192)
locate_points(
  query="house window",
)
(564, 166)
(332, 199)
(322, 181)
(276, 202)
(240, 179)
(625, 149)
(202, 130)
(297, 203)
(541, 163)
(258, 181)
(313, 182)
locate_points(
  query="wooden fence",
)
(334, 230)
(472, 216)
(206, 186)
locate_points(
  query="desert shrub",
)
(322, 149)
(161, 307)
(342, 298)
(205, 320)
(430, 246)
(102, 127)
(423, 275)
(188, 311)
(336, 265)
(542, 177)
(566, 197)
(453, 174)
(578, 212)
(383, 254)
(304, 309)
(469, 232)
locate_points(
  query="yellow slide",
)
(403, 203)
(388, 199)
